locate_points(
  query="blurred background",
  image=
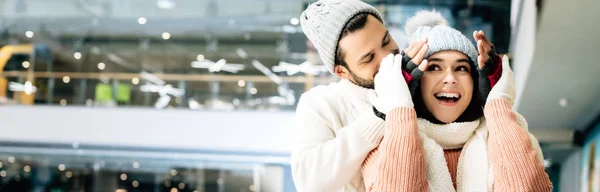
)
(199, 95)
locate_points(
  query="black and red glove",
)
(490, 73)
(412, 74)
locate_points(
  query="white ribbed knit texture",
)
(449, 136)
(323, 21)
(473, 165)
(336, 129)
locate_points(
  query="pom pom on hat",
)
(422, 19)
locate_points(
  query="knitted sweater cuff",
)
(499, 108)
(370, 127)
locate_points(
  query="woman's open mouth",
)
(448, 99)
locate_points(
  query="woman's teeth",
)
(448, 95)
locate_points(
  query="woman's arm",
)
(515, 161)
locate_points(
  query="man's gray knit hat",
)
(440, 36)
(324, 20)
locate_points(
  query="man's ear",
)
(341, 72)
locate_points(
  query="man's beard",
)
(366, 83)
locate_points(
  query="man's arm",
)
(323, 160)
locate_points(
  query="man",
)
(336, 124)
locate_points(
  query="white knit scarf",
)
(472, 137)
(474, 171)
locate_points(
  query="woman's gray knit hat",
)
(324, 20)
(440, 36)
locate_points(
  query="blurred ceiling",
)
(564, 67)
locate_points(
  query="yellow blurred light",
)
(166, 36)
(135, 80)
(61, 167)
(66, 79)
(77, 55)
(101, 66)
(26, 64)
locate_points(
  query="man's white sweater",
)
(336, 129)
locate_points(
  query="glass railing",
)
(29, 78)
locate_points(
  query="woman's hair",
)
(473, 112)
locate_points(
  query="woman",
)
(450, 135)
